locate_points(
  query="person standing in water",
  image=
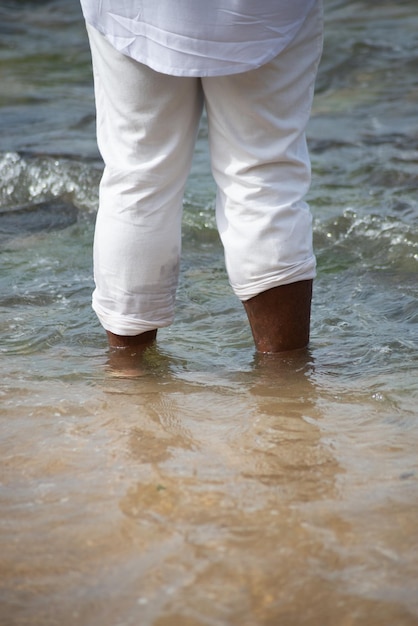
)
(252, 65)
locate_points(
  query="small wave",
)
(31, 179)
(381, 242)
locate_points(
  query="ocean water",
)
(220, 488)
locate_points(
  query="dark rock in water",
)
(26, 219)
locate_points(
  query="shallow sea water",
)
(219, 488)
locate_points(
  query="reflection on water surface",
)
(252, 498)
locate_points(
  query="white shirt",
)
(198, 37)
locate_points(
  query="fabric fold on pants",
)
(147, 124)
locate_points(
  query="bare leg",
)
(126, 353)
(280, 317)
(138, 342)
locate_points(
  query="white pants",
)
(146, 128)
